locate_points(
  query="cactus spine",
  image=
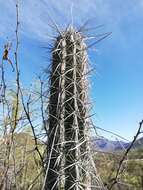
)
(68, 150)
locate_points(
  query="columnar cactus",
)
(68, 164)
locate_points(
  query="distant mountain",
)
(106, 145)
(138, 143)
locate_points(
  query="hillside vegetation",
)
(131, 177)
(28, 165)
(24, 163)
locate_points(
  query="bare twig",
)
(119, 171)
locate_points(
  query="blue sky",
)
(116, 86)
